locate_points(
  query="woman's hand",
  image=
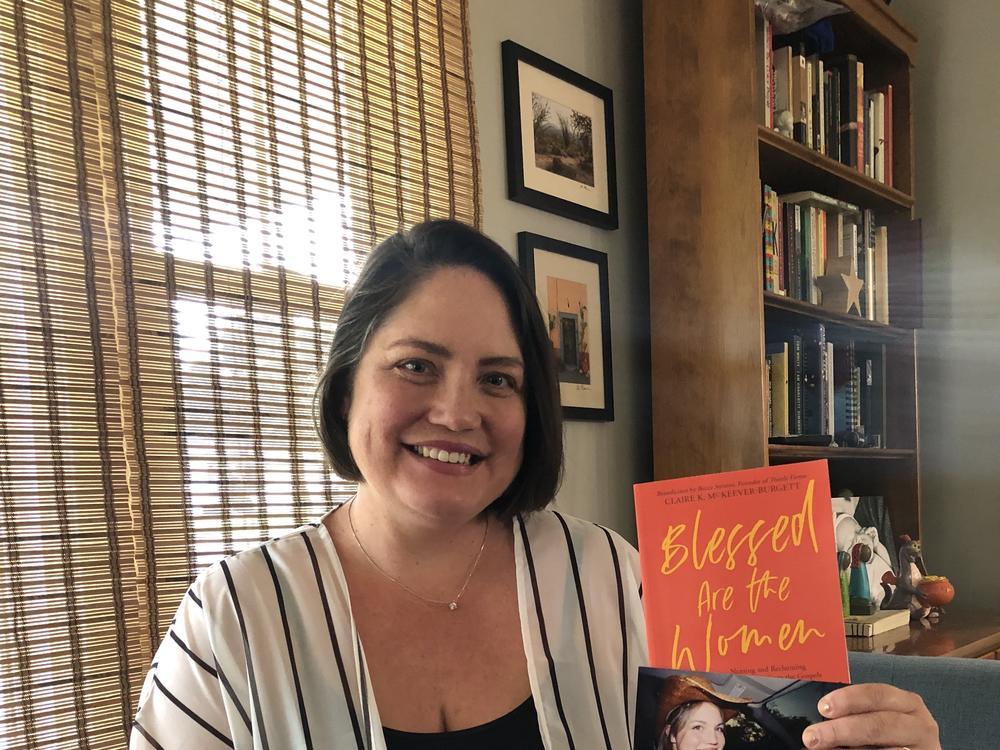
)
(873, 716)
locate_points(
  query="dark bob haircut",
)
(390, 274)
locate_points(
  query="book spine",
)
(888, 135)
(859, 115)
(882, 275)
(854, 403)
(779, 237)
(810, 104)
(792, 228)
(828, 390)
(866, 245)
(795, 385)
(879, 101)
(800, 90)
(819, 106)
(813, 377)
(782, 81)
(768, 73)
(813, 254)
(835, 123)
(767, 239)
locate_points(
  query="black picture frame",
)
(586, 391)
(560, 187)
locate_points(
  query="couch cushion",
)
(962, 694)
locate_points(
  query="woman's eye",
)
(500, 380)
(414, 367)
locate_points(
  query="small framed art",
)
(560, 139)
(571, 284)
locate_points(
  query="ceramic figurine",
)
(911, 571)
(860, 592)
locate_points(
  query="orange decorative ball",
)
(937, 590)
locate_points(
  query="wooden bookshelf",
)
(707, 156)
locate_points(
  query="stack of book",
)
(831, 110)
(868, 626)
(800, 231)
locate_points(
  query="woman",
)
(441, 606)
(691, 714)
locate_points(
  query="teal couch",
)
(963, 694)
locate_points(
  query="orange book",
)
(739, 573)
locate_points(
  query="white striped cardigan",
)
(264, 652)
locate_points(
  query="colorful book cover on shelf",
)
(729, 710)
(769, 230)
(739, 573)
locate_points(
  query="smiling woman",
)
(432, 610)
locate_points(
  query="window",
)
(186, 191)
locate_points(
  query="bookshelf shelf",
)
(850, 325)
(783, 453)
(788, 166)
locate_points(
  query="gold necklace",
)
(453, 604)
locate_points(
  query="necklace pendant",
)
(453, 606)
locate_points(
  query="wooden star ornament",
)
(841, 286)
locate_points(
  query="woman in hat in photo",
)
(691, 714)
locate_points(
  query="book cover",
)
(724, 710)
(739, 573)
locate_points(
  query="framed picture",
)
(560, 139)
(571, 283)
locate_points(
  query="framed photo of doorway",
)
(571, 284)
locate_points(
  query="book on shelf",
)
(881, 282)
(769, 227)
(800, 97)
(884, 620)
(777, 362)
(766, 66)
(886, 92)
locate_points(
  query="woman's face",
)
(436, 413)
(701, 729)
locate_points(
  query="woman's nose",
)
(456, 406)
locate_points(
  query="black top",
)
(517, 729)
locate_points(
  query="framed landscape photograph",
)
(571, 284)
(560, 139)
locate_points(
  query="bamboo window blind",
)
(187, 187)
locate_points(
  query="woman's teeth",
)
(447, 457)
